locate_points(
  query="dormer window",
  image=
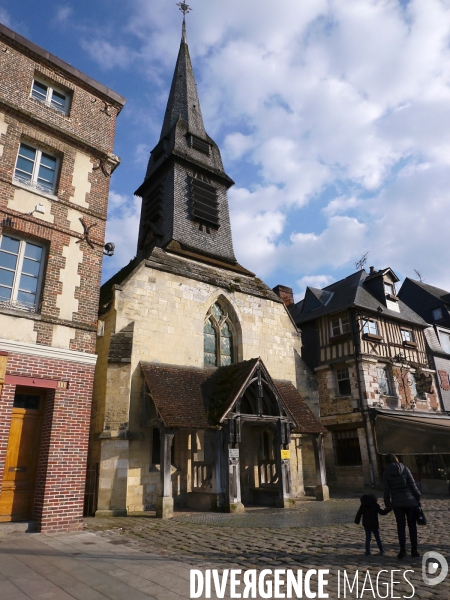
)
(389, 288)
(55, 98)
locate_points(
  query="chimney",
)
(372, 270)
(285, 293)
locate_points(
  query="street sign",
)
(233, 452)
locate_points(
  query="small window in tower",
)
(200, 145)
(205, 207)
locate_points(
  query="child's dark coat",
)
(369, 511)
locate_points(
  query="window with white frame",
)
(384, 381)
(407, 335)
(444, 338)
(370, 326)
(36, 168)
(21, 269)
(343, 381)
(339, 325)
(389, 288)
(57, 99)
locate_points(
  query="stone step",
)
(18, 527)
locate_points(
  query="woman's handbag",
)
(420, 517)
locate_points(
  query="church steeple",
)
(183, 100)
(184, 195)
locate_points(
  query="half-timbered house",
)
(377, 392)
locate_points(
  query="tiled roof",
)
(307, 422)
(189, 397)
(179, 394)
(226, 384)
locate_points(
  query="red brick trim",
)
(32, 381)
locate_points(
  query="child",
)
(369, 511)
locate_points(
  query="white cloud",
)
(107, 55)
(142, 155)
(236, 145)
(62, 15)
(5, 17)
(340, 205)
(122, 229)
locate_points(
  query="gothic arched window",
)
(218, 337)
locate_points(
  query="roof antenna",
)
(418, 275)
(360, 264)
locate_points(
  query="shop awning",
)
(411, 434)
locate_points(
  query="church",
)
(201, 398)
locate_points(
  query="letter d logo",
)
(431, 562)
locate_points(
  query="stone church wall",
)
(168, 313)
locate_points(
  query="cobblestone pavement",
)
(311, 536)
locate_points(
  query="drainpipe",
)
(357, 353)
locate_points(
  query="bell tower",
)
(184, 194)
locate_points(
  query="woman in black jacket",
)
(400, 492)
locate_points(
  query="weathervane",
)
(185, 9)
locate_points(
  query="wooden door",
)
(22, 457)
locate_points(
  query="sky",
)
(333, 119)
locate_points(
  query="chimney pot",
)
(372, 270)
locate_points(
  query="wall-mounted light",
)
(109, 248)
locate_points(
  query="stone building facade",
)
(56, 140)
(196, 398)
(377, 389)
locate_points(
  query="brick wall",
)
(59, 495)
(92, 115)
(66, 314)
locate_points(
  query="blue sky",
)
(333, 118)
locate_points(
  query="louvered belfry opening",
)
(199, 144)
(204, 204)
(153, 205)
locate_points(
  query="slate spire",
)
(184, 195)
(183, 98)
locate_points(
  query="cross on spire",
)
(185, 9)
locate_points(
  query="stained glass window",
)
(218, 337)
(225, 345)
(209, 337)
